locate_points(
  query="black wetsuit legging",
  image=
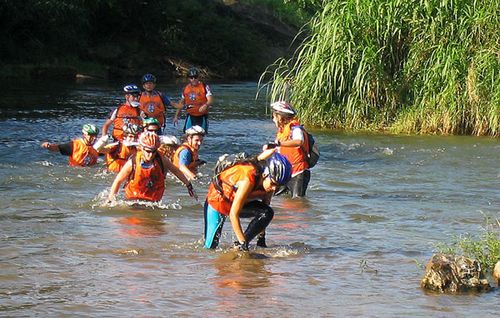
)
(262, 215)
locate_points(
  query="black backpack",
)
(226, 161)
(312, 153)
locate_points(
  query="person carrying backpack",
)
(244, 190)
(292, 141)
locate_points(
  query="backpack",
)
(226, 161)
(312, 154)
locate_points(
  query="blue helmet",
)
(279, 169)
(148, 78)
(131, 89)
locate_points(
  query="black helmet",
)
(193, 72)
(149, 78)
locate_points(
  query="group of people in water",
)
(141, 155)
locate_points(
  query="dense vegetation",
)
(407, 66)
(230, 38)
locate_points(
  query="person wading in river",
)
(185, 156)
(197, 98)
(145, 173)
(118, 153)
(80, 151)
(153, 103)
(291, 142)
(126, 113)
(244, 190)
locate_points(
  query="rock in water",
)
(496, 272)
(454, 274)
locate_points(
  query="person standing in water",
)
(153, 103)
(80, 151)
(186, 156)
(119, 152)
(197, 98)
(291, 142)
(126, 113)
(145, 173)
(244, 190)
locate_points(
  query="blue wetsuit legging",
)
(214, 221)
(191, 121)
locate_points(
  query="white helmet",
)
(283, 107)
(169, 140)
(195, 130)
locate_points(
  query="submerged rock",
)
(496, 272)
(454, 274)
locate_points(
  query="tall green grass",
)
(405, 66)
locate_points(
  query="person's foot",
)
(261, 241)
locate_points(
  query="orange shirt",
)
(296, 155)
(194, 98)
(147, 182)
(125, 114)
(118, 156)
(194, 157)
(83, 155)
(152, 106)
(222, 201)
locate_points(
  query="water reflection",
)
(239, 273)
(142, 224)
(291, 214)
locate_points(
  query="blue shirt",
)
(185, 157)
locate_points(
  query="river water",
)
(376, 207)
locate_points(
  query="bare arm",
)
(176, 171)
(291, 143)
(240, 197)
(120, 177)
(106, 125)
(188, 173)
(208, 104)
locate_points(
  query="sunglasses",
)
(193, 77)
(149, 150)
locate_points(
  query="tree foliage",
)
(127, 34)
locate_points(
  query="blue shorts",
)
(191, 121)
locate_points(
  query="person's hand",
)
(200, 162)
(270, 145)
(203, 108)
(241, 246)
(191, 191)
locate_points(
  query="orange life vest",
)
(125, 114)
(194, 98)
(222, 201)
(296, 155)
(152, 105)
(146, 183)
(118, 156)
(194, 157)
(83, 155)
